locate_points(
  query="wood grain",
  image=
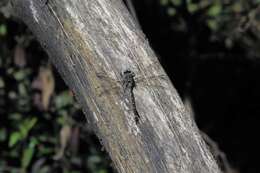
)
(92, 43)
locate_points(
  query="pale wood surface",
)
(92, 43)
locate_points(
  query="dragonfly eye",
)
(129, 73)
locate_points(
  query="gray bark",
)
(93, 43)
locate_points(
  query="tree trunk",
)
(123, 90)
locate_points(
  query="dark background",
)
(209, 49)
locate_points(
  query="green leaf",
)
(212, 24)
(163, 2)
(10, 71)
(45, 151)
(2, 134)
(15, 116)
(63, 99)
(171, 11)
(102, 171)
(20, 75)
(215, 10)
(30, 124)
(2, 83)
(26, 126)
(192, 7)
(44, 169)
(94, 159)
(14, 138)
(62, 119)
(27, 157)
(22, 89)
(237, 7)
(28, 154)
(3, 30)
(176, 2)
(12, 95)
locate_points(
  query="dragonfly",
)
(111, 85)
(126, 85)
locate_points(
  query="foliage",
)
(35, 108)
(234, 21)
